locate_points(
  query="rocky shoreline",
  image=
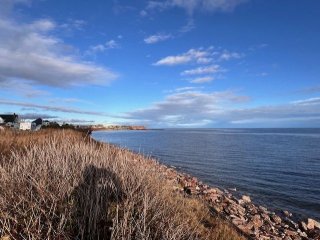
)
(253, 221)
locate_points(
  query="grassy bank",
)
(61, 184)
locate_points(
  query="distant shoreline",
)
(118, 128)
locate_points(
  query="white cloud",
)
(69, 100)
(226, 55)
(99, 48)
(187, 107)
(186, 89)
(143, 13)
(73, 24)
(28, 52)
(25, 89)
(188, 27)
(190, 6)
(263, 74)
(309, 101)
(199, 56)
(173, 60)
(157, 38)
(206, 79)
(111, 44)
(203, 70)
(194, 108)
(258, 47)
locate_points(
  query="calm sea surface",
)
(278, 168)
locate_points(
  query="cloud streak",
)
(203, 70)
(157, 38)
(205, 79)
(52, 108)
(227, 55)
(200, 56)
(33, 116)
(99, 48)
(190, 6)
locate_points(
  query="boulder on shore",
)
(312, 224)
(246, 199)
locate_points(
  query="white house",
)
(24, 126)
(1, 120)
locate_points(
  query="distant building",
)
(36, 124)
(24, 126)
(10, 120)
(45, 123)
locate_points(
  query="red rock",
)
(303, 226)
(263, 210)
(310, 224)
(276, 219)
(287, 214)
(246, 199)
(214, 197)
(257, 222)
(228, 200)
(315, 223)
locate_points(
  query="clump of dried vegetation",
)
(61, 184)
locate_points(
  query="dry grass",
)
(63, 185)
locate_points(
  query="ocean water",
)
(277, 168)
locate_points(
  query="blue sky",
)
(170, 63)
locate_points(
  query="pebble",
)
(276, 219)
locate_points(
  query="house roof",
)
(9, 117)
